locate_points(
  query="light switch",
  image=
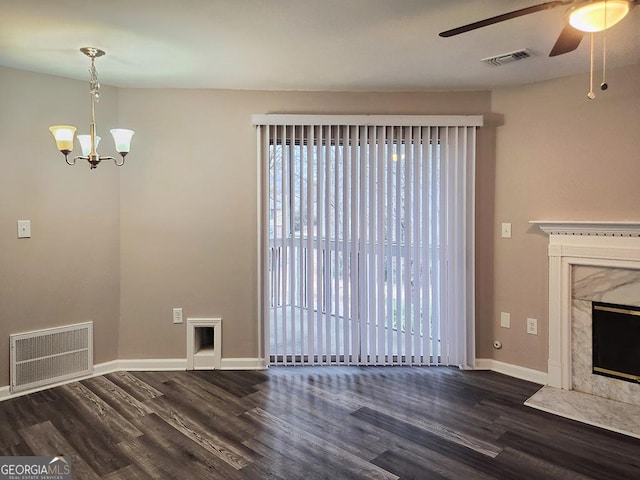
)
(506, 230)
(24, 228)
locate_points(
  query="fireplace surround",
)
(584, 250)
(588, 261)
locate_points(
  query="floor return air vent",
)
(52, 355)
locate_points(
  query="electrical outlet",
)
(24, 228)
(177, 315)
(505, 319)
(532, 326)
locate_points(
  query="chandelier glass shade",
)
(85, 143)
(64, 134)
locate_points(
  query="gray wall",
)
(69, 271)
(177, 225)
(189, 205)
(559, 156)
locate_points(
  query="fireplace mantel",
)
(605, 229)
(603, 244)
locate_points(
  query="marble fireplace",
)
(599, 284)
(588, 261)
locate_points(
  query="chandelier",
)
(64, 134)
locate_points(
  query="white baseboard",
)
(106, 367)
(483, 364)
(98, 369)
(152, 364)
(243, 364)
(141, 365)
(523, 373)
(166, 364)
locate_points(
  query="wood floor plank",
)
(229, 381)
(134, 386)
(9, 435)
(104, 414)
(44, 439)
(451, 411)
(19, 413)
(306, 439)
(602, 467)
(20, 449)
(90, 425)
(311, 423)
(443, 464)
(341, 400)
(586, 439)
(222, 418)
(434, 442)
(130, 472)
(118, 399)
(461, 434)
(406, 467)
(537, 468)
(151, 460)
(354, 400)
(353, 438)
(228, 450)
(194, 385)
(162, 437)
(281, 461)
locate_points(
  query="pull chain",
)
(591, 95)
(603, 85)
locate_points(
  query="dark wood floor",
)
(310, 423)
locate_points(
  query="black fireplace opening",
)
(616, 341)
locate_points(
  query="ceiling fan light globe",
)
(595, 16)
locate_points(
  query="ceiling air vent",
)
(508, 57)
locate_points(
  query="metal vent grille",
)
(47, 356)
(508, 57)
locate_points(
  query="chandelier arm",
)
(115, 160)
(70, 162)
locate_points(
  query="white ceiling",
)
(372, 45)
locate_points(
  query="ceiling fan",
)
(583, 16)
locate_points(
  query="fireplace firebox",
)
(616, 341)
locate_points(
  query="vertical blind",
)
(367, 252)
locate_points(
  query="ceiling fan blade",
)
(505, 16)
(568, 41)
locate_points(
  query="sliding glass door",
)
(366, 251)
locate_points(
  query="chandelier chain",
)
(94, 85)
